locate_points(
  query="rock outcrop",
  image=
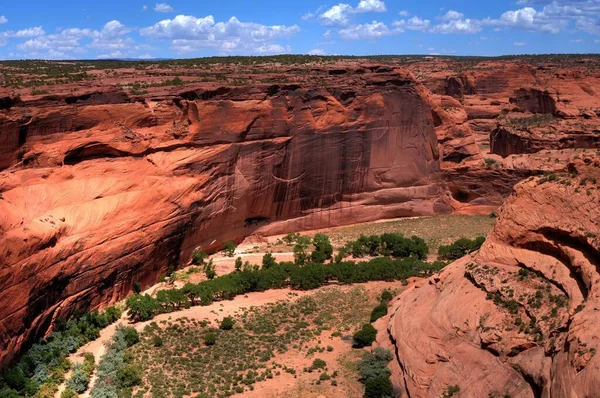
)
(101, 189)
(521, 316)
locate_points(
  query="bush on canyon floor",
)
(268, 261)
(375, 374)
(43, 367)
(284, 274)
(365, 336)
(379, 311)
(388, 244)
(460, 248)
(229, 248)
(226, 323)
(198, 257)
(323, 248)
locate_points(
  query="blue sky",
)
(78, 29)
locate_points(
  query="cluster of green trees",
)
(42, 368)
(277, 275)
(375, 374)
(117, 374)
(389, 244)
(460, 248)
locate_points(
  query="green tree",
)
(322, 248)
(198, 257)
(238, 264)
(142, 307)
(268, 261)
(229, 248)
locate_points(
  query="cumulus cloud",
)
(3, 19)
(59, 44)
(414, 23)
(163, 7)
(189, 33)
(404, 13)
(453, 15)
(342, 13)
(371, 30)
(519, 43)
(317, 51)
(466, 25)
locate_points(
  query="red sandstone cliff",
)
(521, 316)
(100, 190)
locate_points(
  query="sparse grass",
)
(248, 353)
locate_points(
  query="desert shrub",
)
(375, 374)
(226, 323)
(460, 248)
(229, 248)
(374, 364)
(318, 363)
(386, 296)
(379, 387)
(210, 339)
(379, 311)
(157, 341)
(67, 393)
(129, 375)
(388, 244)
(365, 336)
(130, 335)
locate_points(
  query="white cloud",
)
(577, 41)
(341, 13)
(317, 51)
(519, 43)
(307, 16)
(24, 33)
(458, 26)
(144, 8)
(414, 23)
(371, 6)
(65, 41)
(146, 56)
(189, 33)
(3, 19)
(371, 30)
(404, 13)
(327, 34)
(163, 7)
(452, 15)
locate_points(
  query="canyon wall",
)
(519, 318)
(100, 189)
